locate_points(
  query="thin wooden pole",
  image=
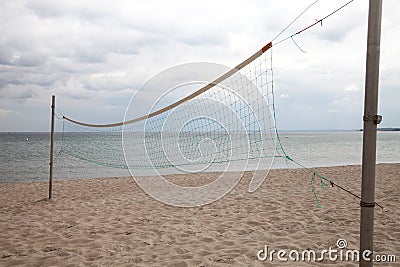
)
(53, 105)
(371, 119)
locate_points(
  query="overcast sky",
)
(94, 55)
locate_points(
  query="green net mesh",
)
(232, 121)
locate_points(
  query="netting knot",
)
(289, 158)
(323, 183)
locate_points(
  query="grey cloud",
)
(131, 17)
(80, 9)
(15, 77)
(98, 53)
(30, 59)
(17, 92)
(336, 32)
(6, 55)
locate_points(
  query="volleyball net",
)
(227, 123)
(229, 119)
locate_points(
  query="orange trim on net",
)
(266, 47)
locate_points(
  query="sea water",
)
(24, 157)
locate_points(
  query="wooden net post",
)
(371, 120)
(53, 105)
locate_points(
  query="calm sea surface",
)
(25, 156)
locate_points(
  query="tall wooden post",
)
(53, 105)
(371, 119)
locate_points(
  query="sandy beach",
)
(112, 222)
